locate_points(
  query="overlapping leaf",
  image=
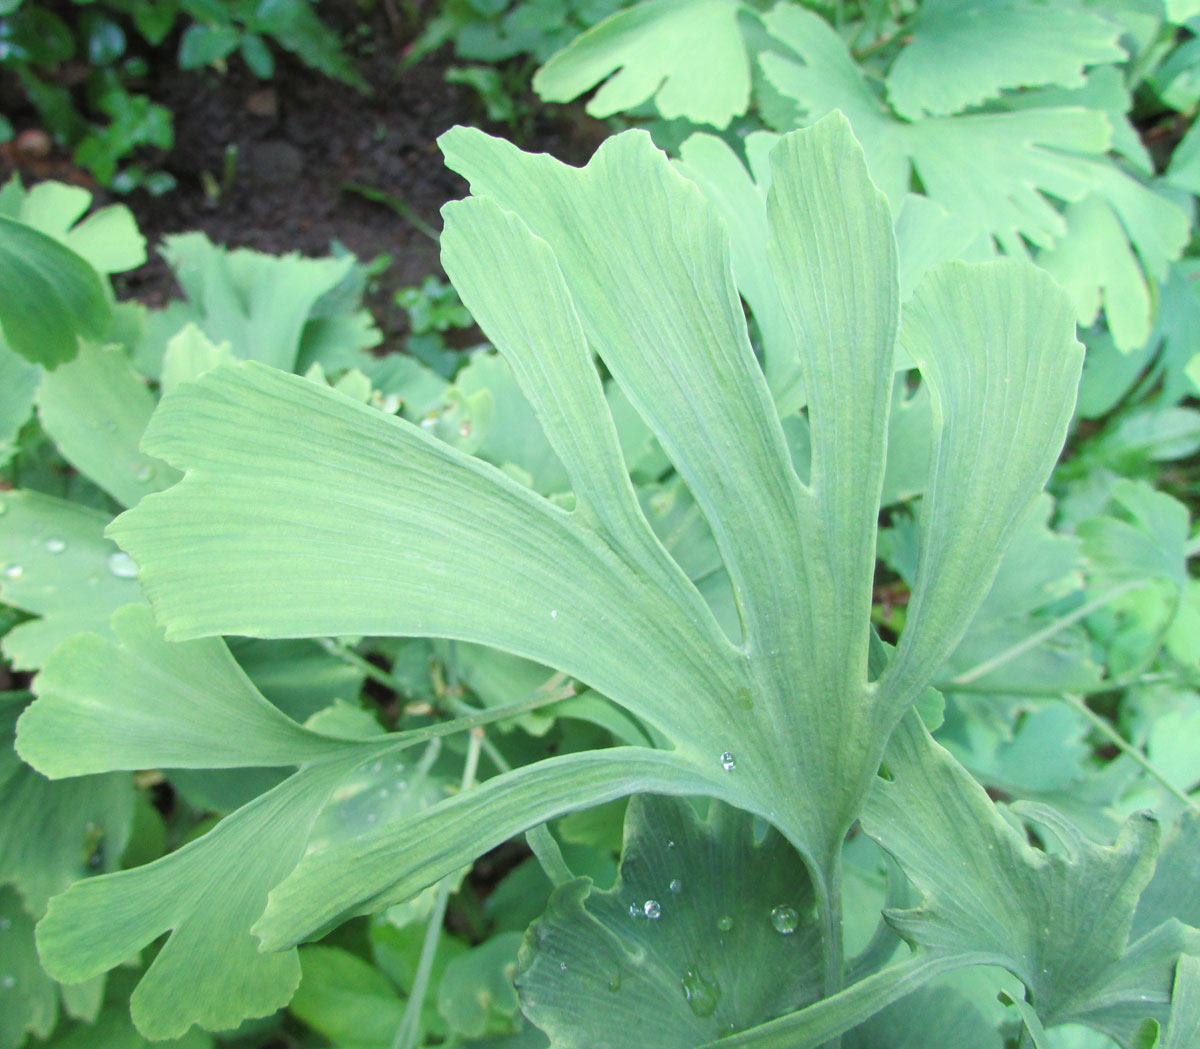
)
(687, 55)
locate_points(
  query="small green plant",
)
(109, 123)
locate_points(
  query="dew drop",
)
(701, 993)
(13, 572)
(652, 909)
(554, 613)
(676, 886)
(670, 844)
(634, 911)
(145, 472)
(122, 565)
(614, 985)
(464, 428)
(377, 767)
(728, 762)
(785, 920)
(562, 967)
(55, 545)
(724, 923)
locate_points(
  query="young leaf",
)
(712, 924)
(1184, 1028)
(1058, 920)
(687, 55)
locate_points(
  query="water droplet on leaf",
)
(702, 994)
(554, 613)
(728, 762)
(145, 472)
(614, 985)
(676, 885)
(634, 911)
(724, 923)
(785, 920)
(122, 565)
(13, 572)
(562, 967)
(55, 545)
(464, 428)
(652, 909)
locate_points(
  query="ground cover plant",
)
(717, 655)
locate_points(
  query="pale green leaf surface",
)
(476, 994)
(655, 296)
(55, 833)
(96, 408)
(73, 587)
(346, 999)
(50, 296)
(930, 1018)
(964, 52)
(1174, 891)
(18, 383)
(988, 894)
(28, 997)
(142, 702)
(108, 239)
(324, 532)
(206, 895)
(1148, 541)
(189, 355)
(996, 345)
(1184, 1028)
(257, 303)
(1097, 267)
(732, 941)
(113, 1029)
(686, 55)
(391, 864)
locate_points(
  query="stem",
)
(410, 1024)
(1057, 626)
(336, 647)
(549, 855)
(831, 934)
(1102, 726)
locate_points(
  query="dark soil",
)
(267, 165)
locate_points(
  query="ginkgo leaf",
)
(1001, 173)
(47, 546)
(142, 702)
(50, 296)
(28, 997)
(390, 531)
(990, 895)
(964, 52)
(709, 922)
(96, 408)
(663, 49)
(932, 1018)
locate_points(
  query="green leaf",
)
(96, 408)
(28, 997)
(18, 383)
(1147, 542)
(259, 304)
(688, 55)
(989, 895)
(205, 895)
(475, 994)
(1174, 891)
(58, 565)
(346, 999)
(202, 44)
(964, 52)
(143, 702)
(55, 833)
(708, 920)
(50, 296)
(984, 371)
(1184, 1029)
(931, 1018)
